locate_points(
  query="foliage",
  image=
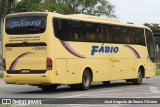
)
(55, 5)
(6, 6)
(28, 5)
(154, 27)
(91, 7)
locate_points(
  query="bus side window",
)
(140, 40)
(75, 36)
(57, 27)
(118, 34)
(90, 37)
(97, 34)
(111, 34)
(68, 30)
(142, 37)
(90, 32)
(126, 36)
(105, 33)
(101, 35)
(77, 31)
(132, 33)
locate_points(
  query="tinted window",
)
(134, 36)
(25, 25)
(78, 30)
(105, 33)
(117, 34)
(91, 30)
(126, 36)
(74, 30)
(150, 45)
(139, 37)
(149, 37)
(64, 29)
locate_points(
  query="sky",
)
(137, 11)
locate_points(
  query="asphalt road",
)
(150, 88)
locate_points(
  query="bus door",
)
(65, 71)
(61, 71)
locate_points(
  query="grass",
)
(1, 75)
(157, 72)
(1, 67)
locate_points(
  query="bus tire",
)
(48, 87)
(106, 83)
(86, 80)
(138, 80)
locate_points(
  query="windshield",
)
(25, 25)
(150, 45)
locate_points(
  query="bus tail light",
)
(49, 64)
(4, 64)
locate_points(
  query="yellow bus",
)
(48, 49)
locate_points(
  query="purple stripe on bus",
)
(17, 59)
(134, 51)
(69, 49)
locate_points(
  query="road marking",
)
(101, 92)
(154, 90)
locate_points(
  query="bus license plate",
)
(25, 71)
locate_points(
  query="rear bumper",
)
(32, 79)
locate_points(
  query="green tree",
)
(28, 5)
(91, 7)
(6, 6)
(155, 27)
(55, 5)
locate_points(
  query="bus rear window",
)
(25, 25)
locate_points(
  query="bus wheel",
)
(138, 81)
(47, 87)
(106, 83)
(86, 80)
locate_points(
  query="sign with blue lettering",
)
(104, 49)
(24, 23)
